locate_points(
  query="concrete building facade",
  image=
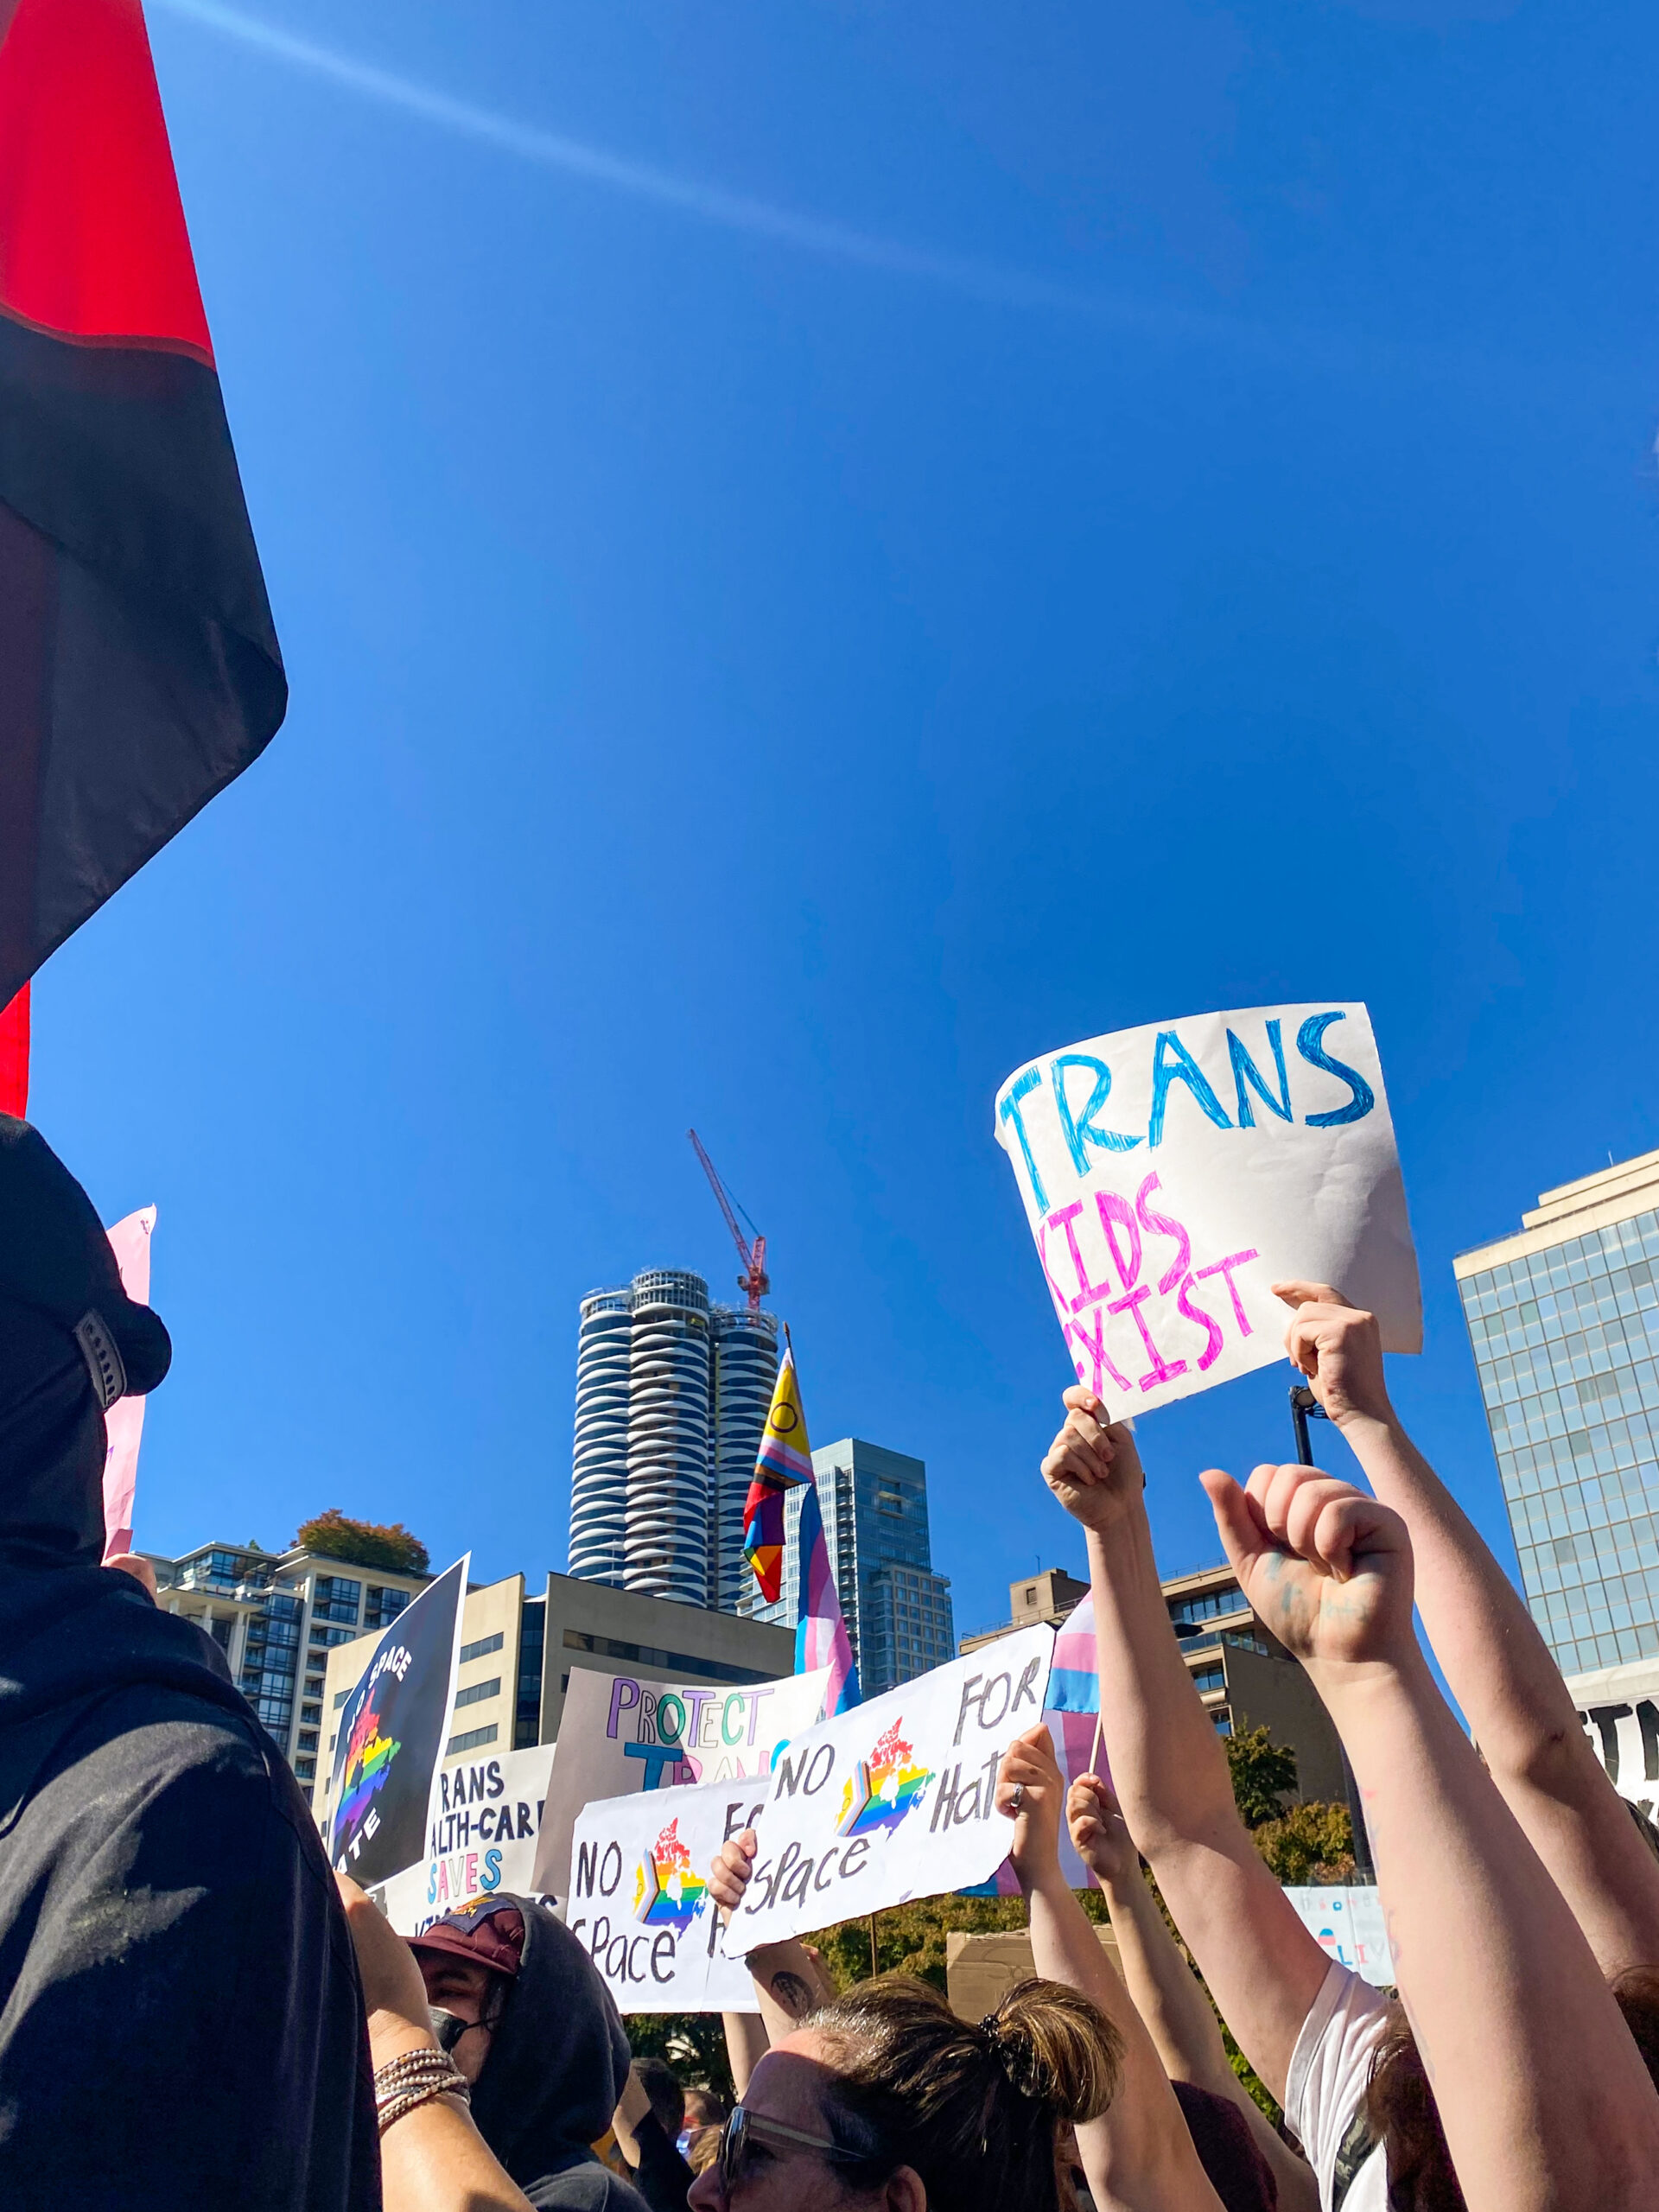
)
(1564, 1321)
(278, 1616)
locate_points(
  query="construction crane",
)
(754, 1279)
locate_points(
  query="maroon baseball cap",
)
(490, 1933)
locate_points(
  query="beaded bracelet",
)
(415, 2078)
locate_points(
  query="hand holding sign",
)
(1339, 1350)
(1093, 1467)
(1171, 1173)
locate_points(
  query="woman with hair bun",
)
(885, 2099)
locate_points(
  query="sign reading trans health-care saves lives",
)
(895, 1799)
(1171, 1173)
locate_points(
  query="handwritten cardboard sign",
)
(620, 1734)
(1171, 1174)
(639, 1901)
(893, 1800)
(482, 1826)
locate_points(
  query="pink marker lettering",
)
(1163, 1224)
(1061, 1303)
(1162, 1369)
(1225, 1268)
(1111, 1208)
(1214, 1340)
(1087, 1291)
(1095, 1346)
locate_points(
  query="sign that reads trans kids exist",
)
(640, 1900)
(893, 1800)
(1171, 1173)
(391, 1735)
(619, 1733)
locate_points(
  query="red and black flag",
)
(139, 670)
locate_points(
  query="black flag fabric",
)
(139, 670)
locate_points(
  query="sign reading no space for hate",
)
(893, 1800)
(1171, 1173)
(640, 1900)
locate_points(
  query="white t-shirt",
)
(1329, 2070)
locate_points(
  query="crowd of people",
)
(193, 2009)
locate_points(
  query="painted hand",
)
(1100, 1834)
(1093, 1467)
(1340, 1349)
(1030, 1770)
(1326, 1568)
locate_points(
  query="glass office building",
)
(1564, 1318)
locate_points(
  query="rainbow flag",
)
(785, 1461)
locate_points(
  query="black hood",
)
(558, 2058)
(52, 1445)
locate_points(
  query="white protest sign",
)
(1350, 1926)
(893, 1800)
(620, 1734)
(482, 1830)
(1171, 1174)
(639, 1901)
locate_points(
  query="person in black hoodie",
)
(534, 2030)
(181, 2015)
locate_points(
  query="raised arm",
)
(1542, 2094)
(1138, 2156)
(1168, 1764)
(1497, 1663)
(1163, 1988)
(789, 1981)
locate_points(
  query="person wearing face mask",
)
(521, 2009)
(174, 1962)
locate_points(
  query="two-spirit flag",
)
(785, 1461)
(139, 670)
(785, 1464)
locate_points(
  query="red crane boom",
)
(754, 1279)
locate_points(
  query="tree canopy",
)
(334, 1535)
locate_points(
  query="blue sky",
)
(821, 551)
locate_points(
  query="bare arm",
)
(789, 1981)
(1543, 2096)
(1168, 1764)
(746, 2044)
(1138, 2156)
(433, 2159)
(1497, 1663)
(1162, 1987)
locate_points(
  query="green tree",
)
(334, 1535)
(1263, 1772)
(1309, 1843)
(693, 2044)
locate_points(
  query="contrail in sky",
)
(709, 203)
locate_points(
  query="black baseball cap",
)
(56, 1257)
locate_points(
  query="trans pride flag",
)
(1071, 1713)
(820, 1631)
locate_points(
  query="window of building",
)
(477, 1692)
(482, 1649)
(335, 1598)
(473, 1740)
(341, 1697)
(306, 1768)
(310, 1713)
(328, 1636)
(1208, 1678)
(1224, 1721)
(308, 1739)
(383, 1605)
(1205, 1604)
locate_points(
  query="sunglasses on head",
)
(734, 2142)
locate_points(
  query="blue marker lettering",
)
(1080, 1132)
(1179, 1068)
(1021, 1087)
(1313, 1051)
(1245, 1071)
